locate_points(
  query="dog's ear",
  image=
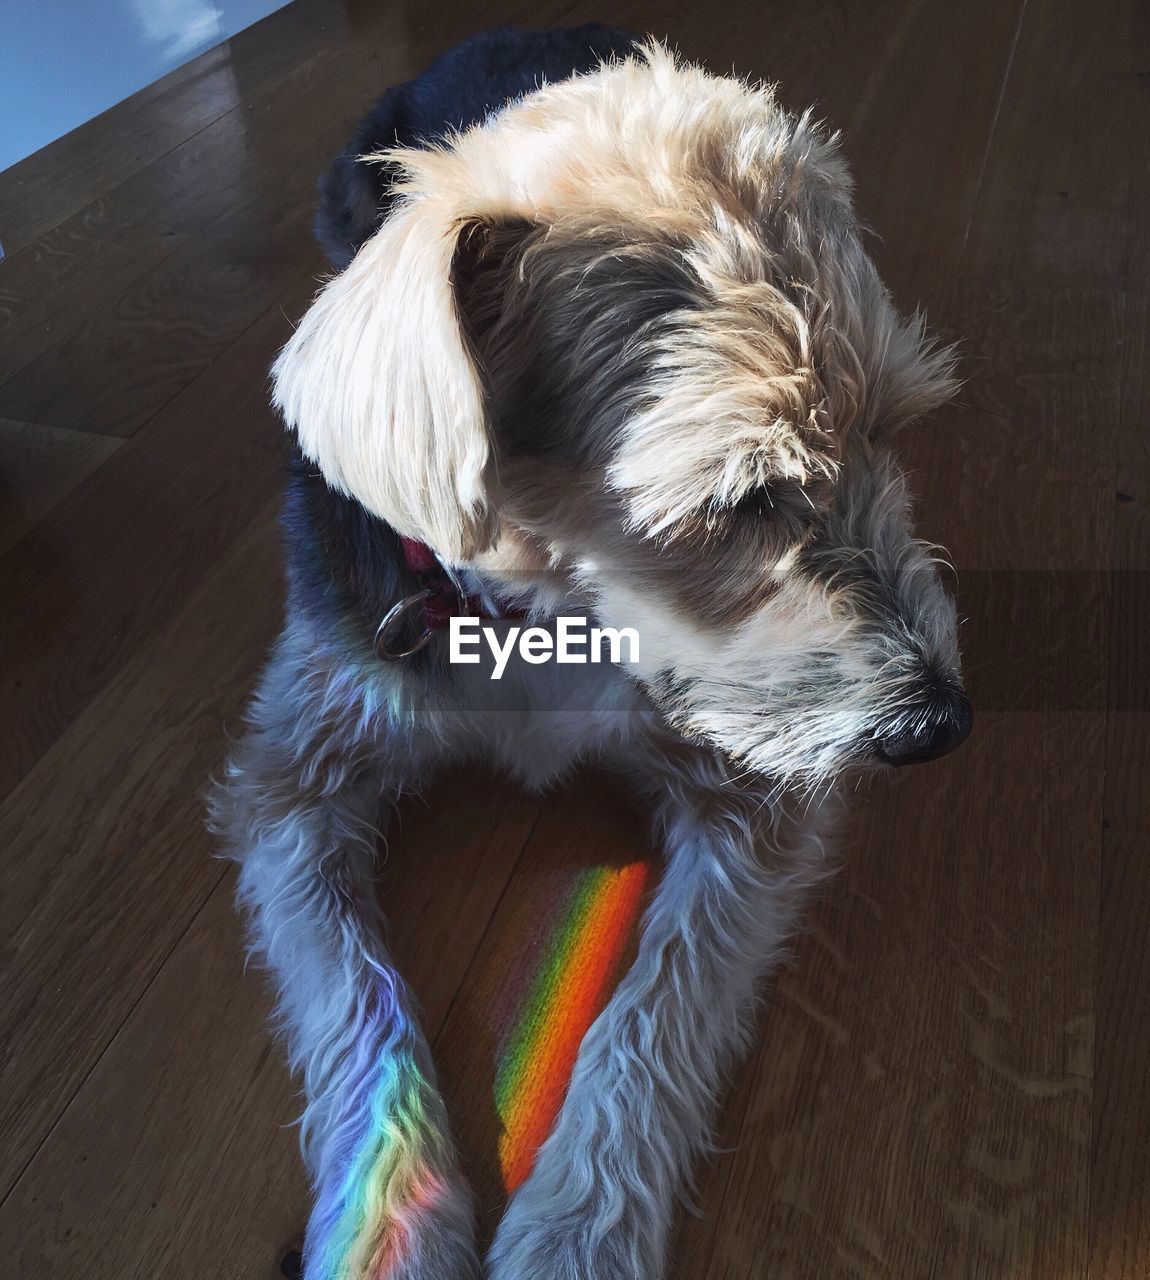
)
(381, 387)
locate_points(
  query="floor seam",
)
(991, 134)
(112, 1038)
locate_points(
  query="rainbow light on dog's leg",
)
(564, 999)
(364, 1224)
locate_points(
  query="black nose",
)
(942, 727)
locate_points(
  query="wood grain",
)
(163, 272)
(588, 824)
(40, 466)
(1120, 1165)
(111, 565)
(958, 1145)
(112, 815)
(42, 191)
(193, 1058)
(170, 324)
(951, 1075)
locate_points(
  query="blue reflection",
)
(63, 62)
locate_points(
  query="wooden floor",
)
(952, 1074)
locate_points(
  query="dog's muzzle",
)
(944, 725)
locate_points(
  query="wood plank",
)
(204, 1164)
(804, 1123)
(39, 467)
(248, 173)
(448, 858)
(43, 190)
(263, 157)
(923, 1096)
(919, 1103)
(168, 326)
(588, 825)
(947, 988)
(178, 497)
(204, 1113)
(126, 862)
(1120, 1167)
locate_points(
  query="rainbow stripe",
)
(365, 1221)
(580, 960)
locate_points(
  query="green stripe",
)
(544, 989)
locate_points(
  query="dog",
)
(604, 341)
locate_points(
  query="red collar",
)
(441, 597)
(444, 600)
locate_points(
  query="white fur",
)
(790, 371)
(384, 397)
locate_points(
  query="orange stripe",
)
(579, 995)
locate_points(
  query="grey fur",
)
(659, 390)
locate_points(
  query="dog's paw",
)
(438, 1249)
(542, 1239)
(428, 1237)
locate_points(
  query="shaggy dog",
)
(605, 343)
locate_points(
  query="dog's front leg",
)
(298, 811)
(599, 1203)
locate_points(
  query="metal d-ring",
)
(384, 633)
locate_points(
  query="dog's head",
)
(626, 331)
